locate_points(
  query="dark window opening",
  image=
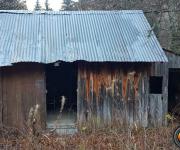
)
(155, 85)
(61, 80)
(174, 91)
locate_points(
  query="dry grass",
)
(107, 138)
(89, 137)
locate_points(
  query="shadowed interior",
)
(174, 91)
(61, 80)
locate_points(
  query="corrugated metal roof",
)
(94, 36)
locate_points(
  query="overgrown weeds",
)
(130, 139)
(114, 137)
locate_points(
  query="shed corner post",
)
(1, 98)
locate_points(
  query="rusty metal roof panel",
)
(94, 36)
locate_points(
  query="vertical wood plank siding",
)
(160, 102)
(173, 60)
(21, 86)
(107, 92)
(118, 94)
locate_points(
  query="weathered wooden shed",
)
(108, 64)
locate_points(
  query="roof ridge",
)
(84, 12)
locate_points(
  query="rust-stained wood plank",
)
(115, 93)
(121, 92)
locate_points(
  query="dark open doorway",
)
(61, 80)
(174, 91)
